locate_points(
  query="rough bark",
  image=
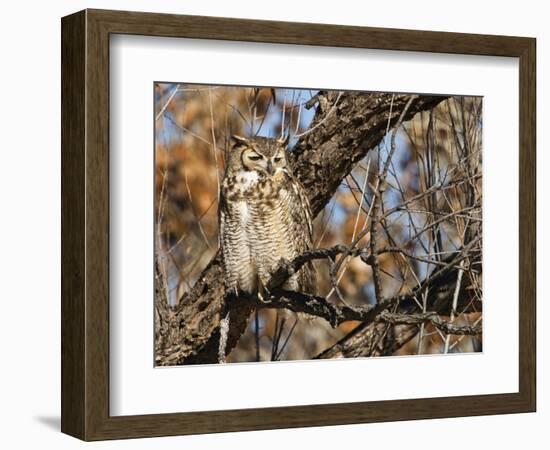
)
(346, 126)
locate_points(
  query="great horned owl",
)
(264, 216)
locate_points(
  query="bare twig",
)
(377, 205)
(172, 95)
(214, 147)
(305, 133)
(455, 303)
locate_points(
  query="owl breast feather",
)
(259, 229)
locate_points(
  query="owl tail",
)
(224, 333)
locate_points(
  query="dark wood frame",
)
(85, 224)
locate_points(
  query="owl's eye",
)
(254, 157)
(277, 159)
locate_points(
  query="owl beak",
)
(270, 169)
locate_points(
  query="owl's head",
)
(259, 154)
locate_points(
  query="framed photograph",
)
(271, 225)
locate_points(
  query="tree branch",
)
(436, 321)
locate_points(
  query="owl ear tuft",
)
(238, 140)
(284, 140)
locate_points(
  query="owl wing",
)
(302, 221)
(223, 243)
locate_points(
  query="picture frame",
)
(85, 224)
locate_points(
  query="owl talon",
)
(262, 298)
